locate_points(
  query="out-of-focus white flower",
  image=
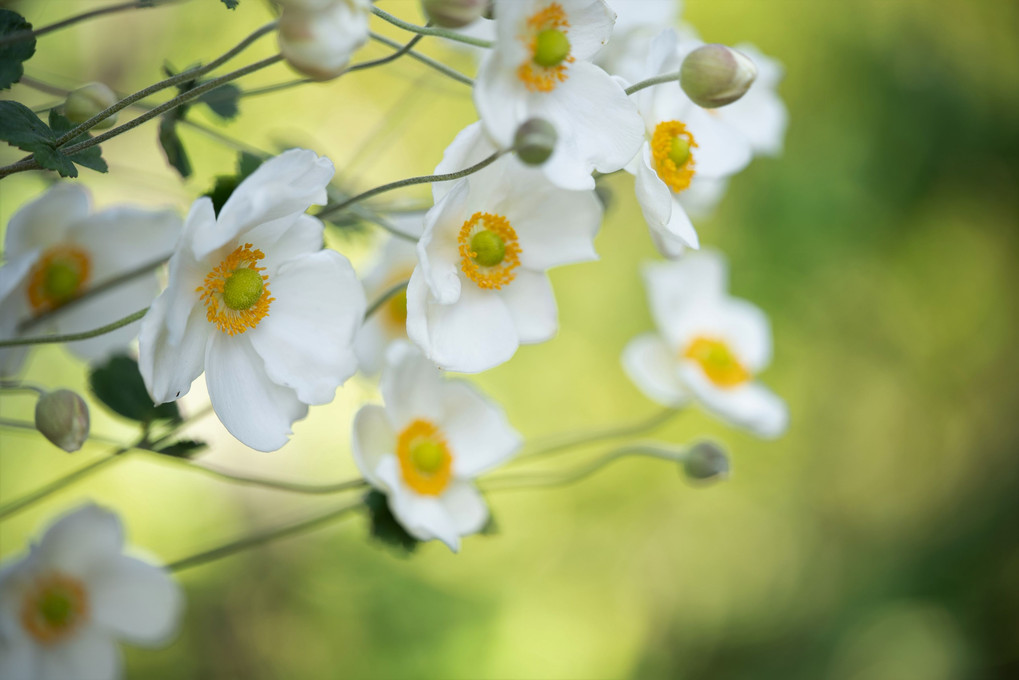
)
(480, 287)
(760, 115)
(637, 23)
(317, 37)
(709, 346)
(426, 445)
(540, 68)
(255, 302)
(64, 605)
(684, 145)
(56, 250)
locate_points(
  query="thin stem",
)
(330, 209)
(71, 337)
(294, 487)
(268, 89)
(25, 35)
(13, 386)
(426, 30)
(22, 425)
(385, 60)
(53, 487)
(384, 298)
(572, 441)
(263, 537)
(428, 61)
(657, 80)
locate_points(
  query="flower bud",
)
(317, 37)
(62, 417)
(89, 100)
(706, 462)
(535, 141)
(716, 75)
(454, 13)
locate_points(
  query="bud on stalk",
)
(716, 75)
(706, 462)
(454, 13)
(535, 141)
(62, 417)
(89, 100)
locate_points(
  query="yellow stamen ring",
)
(672, 151)
(547, 43)
(59, 276)
(425, 461)
(236, 293)
(718, 361)
(54, 607)
(476, 265)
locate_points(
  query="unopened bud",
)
(716, 75)
(89, 100)
(317, 37)
(535, 141)
(454, 13)
(62, 417)
(706, 462)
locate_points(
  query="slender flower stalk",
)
(71, 337)
(84, 16)
(428, 61)
(426, 30)
(396, 289)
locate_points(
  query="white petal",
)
(44, 222)
(254, 409)
(18, 659)
(370, 345)
(90, 653)
(286, 238)
(122, 238)
(14, 309)
(465, 507)
(752, 406)
(652, 368)
(675, 286)
(747, 329)
(700, 199)
(555, 227)
(500, 97)
(531, 303)
(438, 249)
(307, 339)
(410, 386)
(469, 147)
(424, 517)
(719, 152)
(168, 369)
(653, 195)
(136, 600)
(372, 439)
(479, 435)
(104, 308)
(82, 540)
(591, 23)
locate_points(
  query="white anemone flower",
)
(684, 145)
(540, 68)
(426, 445)
(57, 249)
(64, 605)
(318, 37)
(256, 303)
(709, 346)
(480, 288)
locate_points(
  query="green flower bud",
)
(62, 417)
(535, 141)
(716, 75)
(89, 100)
(454, 13)
(706, 462)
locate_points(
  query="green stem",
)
(428, 61)
(384, 298)
(263, 537)
(25, 35)
(657, 80)
(53, 487)
(71, 337)
(21, 425)
(13, 386)
(425, 30)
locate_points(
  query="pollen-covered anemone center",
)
(548, 44)
(719, 362)
(425, 461)
(54, 607)
(236, 292)
(59, 276)
(671, 149)
(489, 251)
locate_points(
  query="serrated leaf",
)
(21, 128)
(91, 157)
(119, 386)
(224, 101)
(51, 159)
(14, 54)
(230, 4)
(384, 526)
(173, 148)
(184, 448)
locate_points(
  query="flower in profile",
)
(317, 37)
(709, 346)
(540, 68)
(64, 605)
(423, 449)
(480, 288)
(57, 249)
(256, 303)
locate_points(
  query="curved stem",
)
(384, 298)
(657, 80)
(428, 61)
(385, 60)
(44, 491)
(263, 537)
(427, 30)
(70, 21)
(293, 487)
(71, 337)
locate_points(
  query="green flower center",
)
(551, 48)
(679, 151)
(61, 281)
(56, 608)
(427, 456)
(490, 248)
(242, 289)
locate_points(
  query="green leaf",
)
(226, 184)
(21, 128)
(118, 384)
(223, 101)
(91, 157)
(247, 163)
(13, 54)
(173, 148)
(385, 528)
(230, 4)
(51, 159)
(183, 448)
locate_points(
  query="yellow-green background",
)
(877, 539)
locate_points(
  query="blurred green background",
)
(877, 540)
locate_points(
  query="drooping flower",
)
(57, 249)
(64, 605)
(480, 288)
(256, 303)
(318, 37)
(540, 68)
(709, 346)
(426, 445)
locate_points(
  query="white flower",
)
(480, 287)
(637, 22)
(684, 145)
(317, 37)
(539, 68)
(56, 250)
(65, 603)
(255, 302)
(426, 445)
(708, 346)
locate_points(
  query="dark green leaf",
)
(385, 528)
(13, 54)
(231, 4)
(21, 128)
(247, 163)
(118, 384)
(173, 148)
(91, 157)
(51, 159)
(184, 448)
(226, 184)
(224, 101)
